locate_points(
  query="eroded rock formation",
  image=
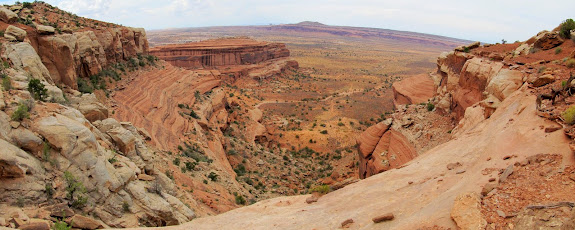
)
(382, 148)
(413, 90)
(256, 58)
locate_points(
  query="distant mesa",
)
(310, 23)
(250, 57)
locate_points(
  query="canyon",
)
(296, 126)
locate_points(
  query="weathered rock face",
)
(546, 40)
(413, 90)
(221, 52)
(382, 148)
(467, 80)
(14, 33)
(8, 16)
(83, 54)
(466, 212)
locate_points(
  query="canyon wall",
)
(86, 53)
(220, 52)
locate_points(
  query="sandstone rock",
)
(90, 107)
(56, 54)
(413, 90)
(466, 212)
(78, 145)
(14, 33)
(145, 177)
(37, 225)
(226, 52)
(452, 166)
(468, 47)
(8, 16)
(44, 30)
(508, 171)
(488, 188)
(523, 49)
(546, 40)
(124, 139)
(27, 140)
(346, 223)
(312, 199)
(60, 210)
(382, 218)
(15, 163)
(79, 221)
(17, 222)
(543, 80)
(24, 57)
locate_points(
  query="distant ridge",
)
(310, 23)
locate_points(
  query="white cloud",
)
(85, 7)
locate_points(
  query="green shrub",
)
(21, 112)
(569, 115)
(322, 189)
(27, 5)
(37, 89)
(49, 190)
(570, 63)
(323, 132)
(125, 206)
(430, 107)
(177, 161)
(566, 27)
(61, 225)
(240, 199)
(84, 86)
(213, 176)
(558, 50)
(194, 114)
(6, 83)
(76, 191)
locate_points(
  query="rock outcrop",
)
(467, 80)
(422, 193)
(382, 148)
(251, 58)
(86, 53)
(413, 90)
(220, 52)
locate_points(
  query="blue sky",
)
(487, 20)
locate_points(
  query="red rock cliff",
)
(86, 53)
(220, 52)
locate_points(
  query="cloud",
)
(85, 7)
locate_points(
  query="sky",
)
(486, 20)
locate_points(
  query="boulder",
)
(382, 148)
(45, 30)
(468, 47)
(26, 140)
(56, 54)
(546, 40)
(543, 80)
(24, 58)
(15, 163)
(36, 225)
(8, 16)
(15, 34)
(466, 212)
(83, 222)
(124, 139)
(90, 107)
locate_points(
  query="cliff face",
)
(62, 156)
(86, 53)
(220, 52)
